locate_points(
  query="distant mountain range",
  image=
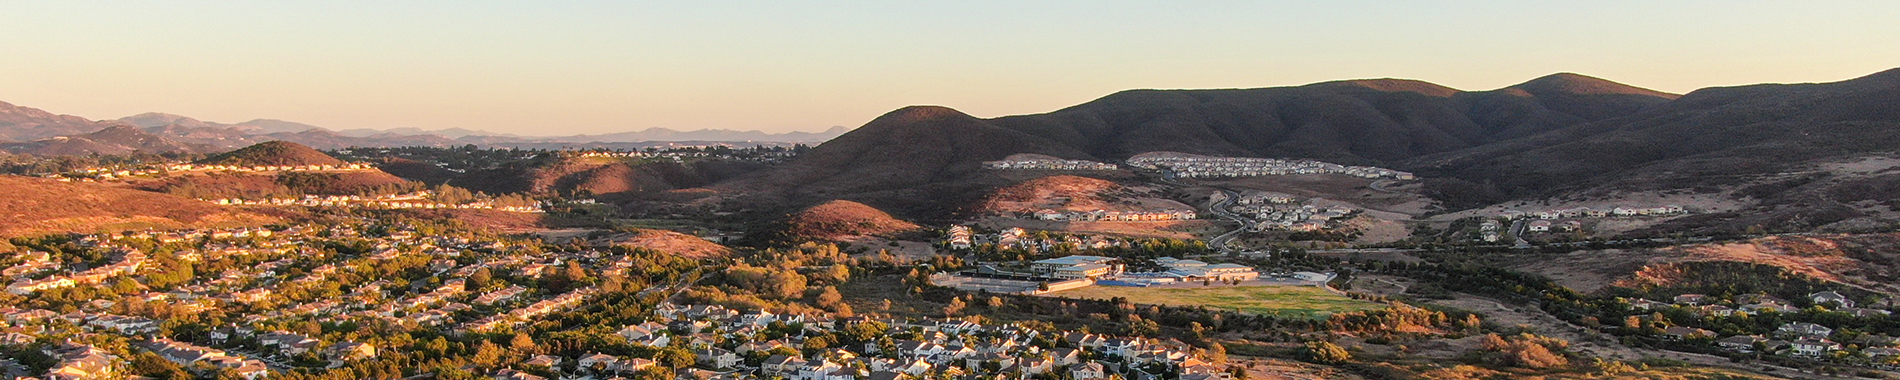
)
(33, 131)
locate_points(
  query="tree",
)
(1138, 326)
(1325, 352)
(488, 355)
(1216, 353)
(522, 343)
(829, 298)
(1526, 350)
(479, 280)
(956, 305)
(653, 373)
(675, 357)
(151, 365)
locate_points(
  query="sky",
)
(569, 67)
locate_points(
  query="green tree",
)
(487, 355)
(1324, 352)
(675, 357)
(479, 280)
(956, 305)
(522, 343)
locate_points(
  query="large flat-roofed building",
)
(1082, 271)
(1049, 266)
(1217, 272)
(1174, 263)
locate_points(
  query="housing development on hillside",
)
(1048, 164)
(1188, 166)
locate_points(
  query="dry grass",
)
(38, 206)
(670, 242)
(841, 218)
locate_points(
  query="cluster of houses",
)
(678, 153)
(104, 174)
(185, 168)
(418, 200)
(961, 237)
(1048, 164)
(1793, 338)
(726, 347)
(188, 355)
(1251, 198)
(528, 313)
(110, 173)
(611, 154)
(31, 262)
(80, 361)
(1276, 211)
(1586, 212)
(282, 264)
(1184, 166)
(1113, 216)
(1295, 217)
(129, 262)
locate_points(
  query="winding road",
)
(1220, 208)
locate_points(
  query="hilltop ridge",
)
(272, 153)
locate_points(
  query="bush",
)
(1324, 352)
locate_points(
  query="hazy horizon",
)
(594, 68)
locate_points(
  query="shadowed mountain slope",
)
(929, 158)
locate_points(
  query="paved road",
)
(1517, 232)
(1221, 242)
(1379, 186)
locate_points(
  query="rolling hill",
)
(598, 177)
(839, 219)
(41, 206)
(925, 161)
(272, 153)
(1356, 122)
(275, 184)
(19, 123)
(112, 139)
(1781, 147)
(920, 160)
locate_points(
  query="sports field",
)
(1291, 301)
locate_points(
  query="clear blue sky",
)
(593, 67)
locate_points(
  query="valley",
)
(1564, 227)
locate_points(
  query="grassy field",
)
(1286, 301)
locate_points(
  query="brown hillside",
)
(1060, 192)
(669, 242)
(920, 160)
(842, 218)
(40, 206)
(601, 177)
(272, 153)
(260, 185)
